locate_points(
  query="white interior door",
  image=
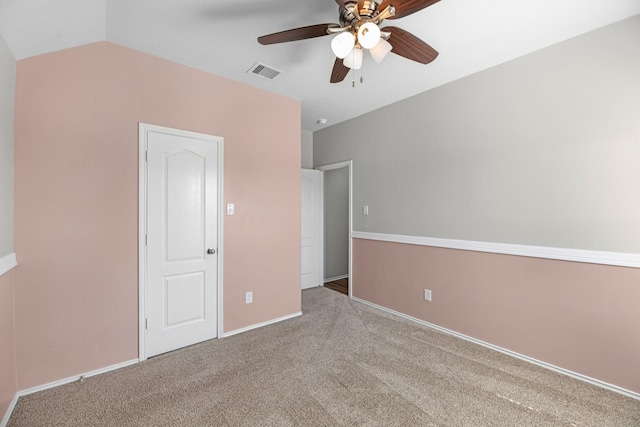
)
(311, 228)
(182, 236)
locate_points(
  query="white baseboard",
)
(8, 262)
(57, 383)
(7, 415)
(546, 365)
(260, 325)
(77, 377)
(332, 279)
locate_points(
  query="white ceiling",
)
(219, 36)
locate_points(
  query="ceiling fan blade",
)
(301, 33)
(406, 44)
(339, 71)
(406, 7)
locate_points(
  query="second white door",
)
(182, 235)
(311, 228)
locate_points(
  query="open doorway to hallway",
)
(337, 209)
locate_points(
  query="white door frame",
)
(144, 128)
(332, 166)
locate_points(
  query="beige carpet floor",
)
(340, 364)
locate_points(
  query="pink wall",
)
(8, 380)
(76, 195)
(577, 316)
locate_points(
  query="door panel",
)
(185, 182)
(184, 297)
(181, 288)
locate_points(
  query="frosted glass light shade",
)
(368, 35)
(354, 59)
(379, 51)
(342, 44)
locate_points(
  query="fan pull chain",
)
(353, 77)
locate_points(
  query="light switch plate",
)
(230, 208)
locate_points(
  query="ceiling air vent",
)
(263, 70)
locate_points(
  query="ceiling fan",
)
(359, 30)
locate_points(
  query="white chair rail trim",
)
(8, 262)
(578, 255)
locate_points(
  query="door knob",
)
(211, 251)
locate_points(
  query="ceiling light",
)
(321, 121)
(368, 35)
(380, 50)
(342, 44)
(354, 59)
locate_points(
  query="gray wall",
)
(336, 223)
(307, 150)
(7, 98)
(542, 150)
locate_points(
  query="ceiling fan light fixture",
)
(368, 35)
(379, 51)
(354, 59)
(343, 44)
(358, 29)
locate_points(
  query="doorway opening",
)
(337, 203)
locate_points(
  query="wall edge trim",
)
(508, 352)
(260, 325)
(76, 377)
(562, 254)
(8, 262)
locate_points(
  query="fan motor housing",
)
(368, 11)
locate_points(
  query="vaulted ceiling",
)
(219, 36)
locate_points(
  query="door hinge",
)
(146, 323)
(146, 156)
(146, 240)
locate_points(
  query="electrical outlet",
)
(248, 298)
(427, 295)
(365, 210)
